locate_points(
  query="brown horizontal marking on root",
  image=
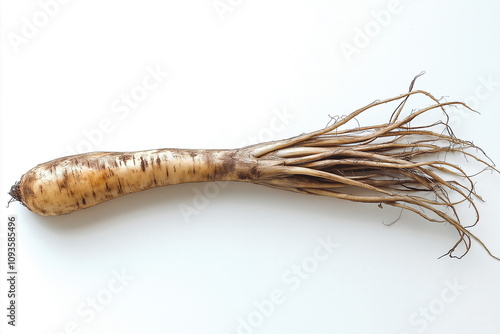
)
(124, 158)
(120, 189)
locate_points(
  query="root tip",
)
(15, 192)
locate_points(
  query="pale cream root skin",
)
(392, 163)
(72, 183)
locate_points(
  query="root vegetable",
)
(394, 163)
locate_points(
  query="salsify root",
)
(394, 163)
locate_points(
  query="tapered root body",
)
(396, 163)
(76, 182)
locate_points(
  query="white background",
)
(231, 73)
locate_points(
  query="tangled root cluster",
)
(393, 163)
